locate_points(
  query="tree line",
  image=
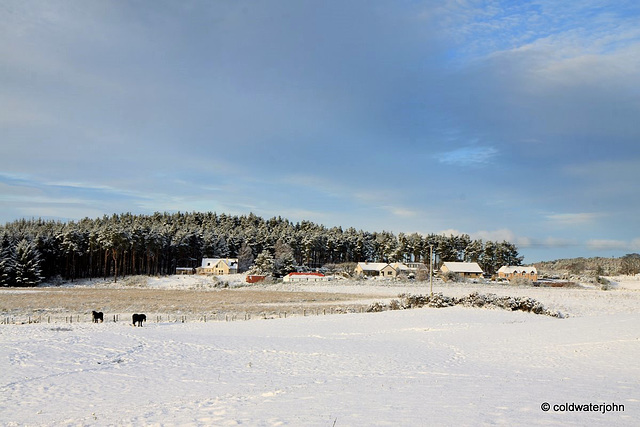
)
(32, 250)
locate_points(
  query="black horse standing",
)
(97, 316)
(138, 319)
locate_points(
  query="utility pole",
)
(431, 268)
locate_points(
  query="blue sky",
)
(515, 120)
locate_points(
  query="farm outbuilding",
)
(510, 272)
(304, 277)
(255, 278)
(466, 270)
(381, 269)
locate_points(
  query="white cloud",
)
(612, 244)
(577, 219)
(450, 232)
(607, 244)
(496, 235)
(467, 156)
(555, 242)
(505, 234)
(400, 211)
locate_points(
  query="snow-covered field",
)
(450, 366)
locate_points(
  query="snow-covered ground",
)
(626, 282)
(450, 366)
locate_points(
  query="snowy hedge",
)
(474, 299)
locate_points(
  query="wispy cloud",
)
(505, 234)
(400, 211)
(577, 219)
(615, 245)
(468, 156)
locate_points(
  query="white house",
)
(305, 277)
(218, 266)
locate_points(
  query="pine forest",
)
(33, 250)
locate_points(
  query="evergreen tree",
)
(245, 258)
(488, 261)
(264, 263)
(474, 250)
(7, 261)
(26, 268)
(284, 262)
(506, 254)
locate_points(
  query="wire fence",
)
(22, 319)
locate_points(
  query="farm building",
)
(381, 269)
(255, 278)
(304, 277)
(467, 270)
(512, 272)
(218, 266)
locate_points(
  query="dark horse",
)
(138, 319)
(97, 316)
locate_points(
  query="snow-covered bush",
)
(605, 284)
(376, 307)
(472, 300)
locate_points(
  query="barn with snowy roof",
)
(466, 270)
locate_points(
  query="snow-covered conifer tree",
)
(6, 266)
(26, 267)
(264, 263)
(284, 262)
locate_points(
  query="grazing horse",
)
(97, 316)
(138, 319)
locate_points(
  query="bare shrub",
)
(450, 276)
(520, 281)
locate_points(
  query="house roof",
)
(508, 269)
(400, 266)
(214, 261)
(315, 274)
(463, 267)
(373, 266)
